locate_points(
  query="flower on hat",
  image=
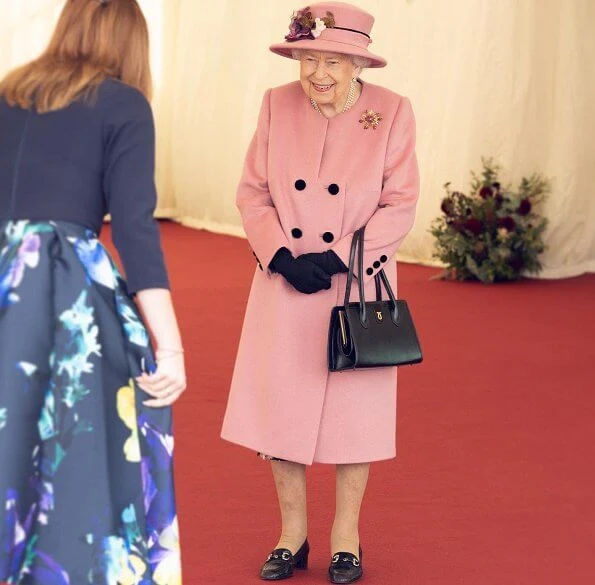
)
(320, 26)
(303, 25)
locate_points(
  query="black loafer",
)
(281, 563)
(345, 567)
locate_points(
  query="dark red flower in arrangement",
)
(474, 225)
(507, 222)
(485, 192)
(524, 207)
(447, 206)
(457, 225)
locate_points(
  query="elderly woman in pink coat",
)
(331, 153)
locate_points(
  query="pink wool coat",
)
(308, 184)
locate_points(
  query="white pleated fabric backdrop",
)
(513, 79)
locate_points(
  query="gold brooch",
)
(370, 118)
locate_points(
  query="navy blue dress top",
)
(79, 163)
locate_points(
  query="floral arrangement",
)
(495, 234)
(304, 26)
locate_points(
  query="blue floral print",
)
(88, 496)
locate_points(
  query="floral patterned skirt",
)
(86, 484)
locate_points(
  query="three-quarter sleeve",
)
(394, 217)
(259, 215)
(129, 188)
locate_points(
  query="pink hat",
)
(335, 27)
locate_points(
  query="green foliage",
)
(495, 234)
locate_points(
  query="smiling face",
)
(326, 77)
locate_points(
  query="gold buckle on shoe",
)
(354, 561)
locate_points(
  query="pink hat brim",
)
(285, 49)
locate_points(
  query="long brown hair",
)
(93, 40)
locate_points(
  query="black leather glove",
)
(328, 261)
(302, 274)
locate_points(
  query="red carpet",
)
(495, 479)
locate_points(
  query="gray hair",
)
(361, 62)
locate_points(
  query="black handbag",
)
(371, 334)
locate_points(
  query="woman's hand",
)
(169, 380)
(328, 261)
(167, 383)
(302, 274)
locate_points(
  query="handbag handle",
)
(352, 252)
(380, 279)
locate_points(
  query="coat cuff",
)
(374, 260)
(265, 251)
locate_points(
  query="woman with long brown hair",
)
(86, 486)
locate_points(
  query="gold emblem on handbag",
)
(357, 341)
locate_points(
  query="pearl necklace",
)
(348, 104)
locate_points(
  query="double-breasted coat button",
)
(328, 237)
(300, 184)
(369, 271)
(333, 189)
(383, 258)
(296, 233)
(376, 264)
